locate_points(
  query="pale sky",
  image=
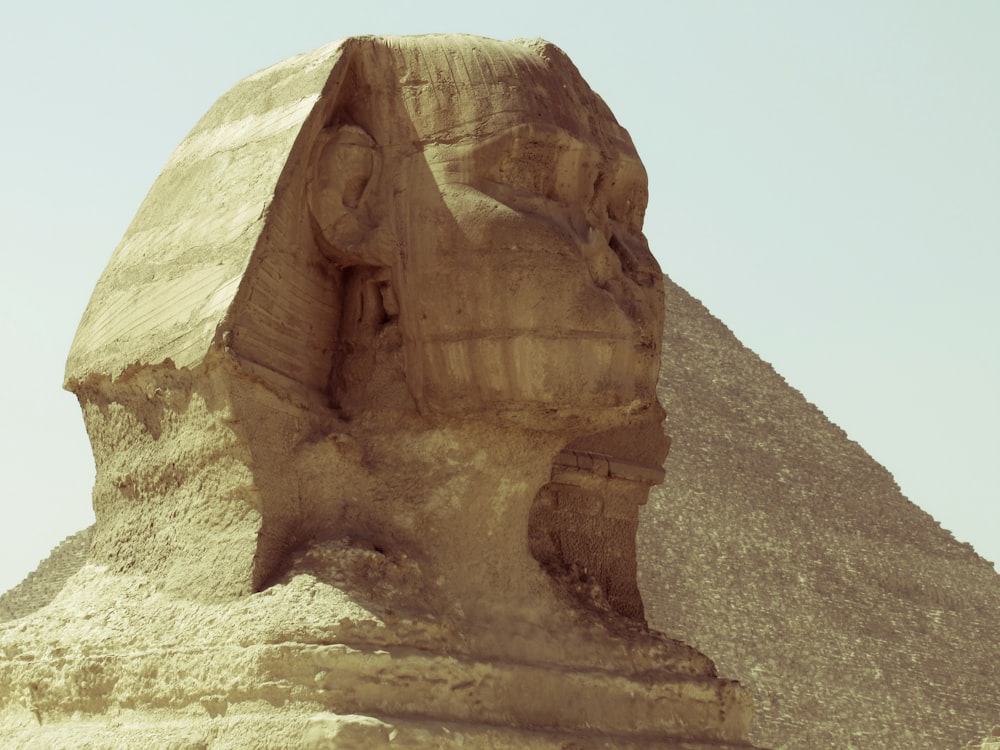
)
(824, 177)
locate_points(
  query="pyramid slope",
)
(41, 585)
(783, 550)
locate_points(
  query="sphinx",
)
(371, 388)
(390, 244)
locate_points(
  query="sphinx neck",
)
(457, 496)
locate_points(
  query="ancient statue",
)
(445, 248)
(386, 330)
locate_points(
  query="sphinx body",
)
(384, 337)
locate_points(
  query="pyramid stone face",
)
(43, 584)
(779, 546)
(371, 388)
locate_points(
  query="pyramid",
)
(779, 546)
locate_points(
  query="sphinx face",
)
(529, 287)
(509, 209)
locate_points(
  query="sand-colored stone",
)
(43, 584)
(371, 388)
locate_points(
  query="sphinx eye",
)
(628, 205)
(530, 167)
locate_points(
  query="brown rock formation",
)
(383, 338)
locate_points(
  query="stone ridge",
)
(41, 585)
(781, 548)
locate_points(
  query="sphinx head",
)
(479, 196)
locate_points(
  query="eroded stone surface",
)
(380, 341)
(389, 248)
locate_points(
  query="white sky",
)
(824, 177)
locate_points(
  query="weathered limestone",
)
(370, 383)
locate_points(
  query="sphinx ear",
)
(343, 174)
